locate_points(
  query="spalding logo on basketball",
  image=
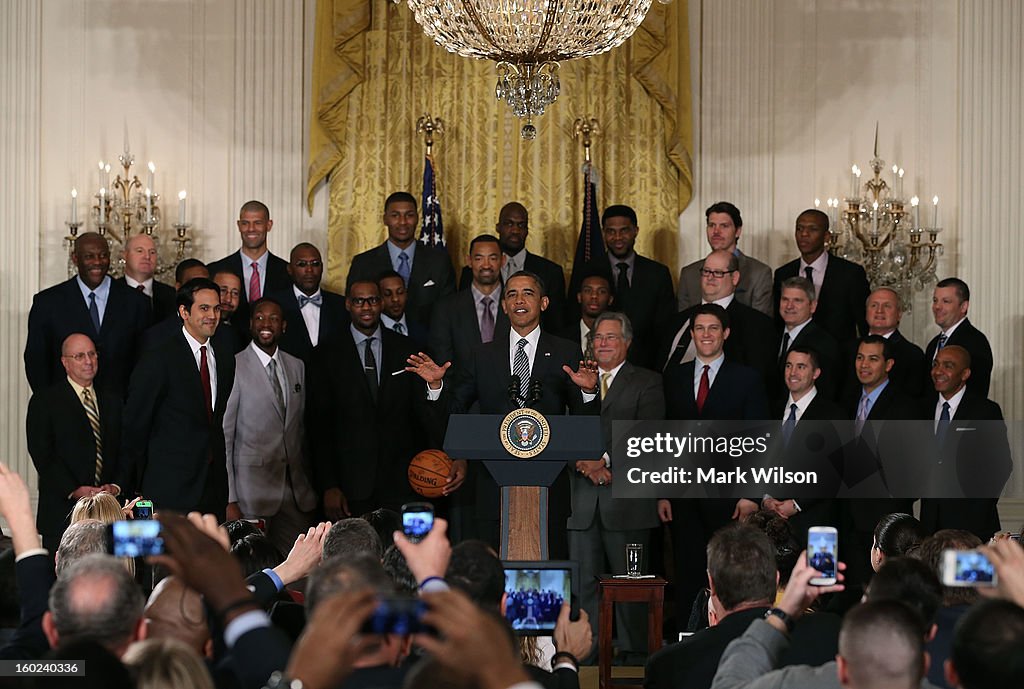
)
(428, 473)
(525, 433)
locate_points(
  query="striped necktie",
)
(93, 415)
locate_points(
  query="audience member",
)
(140, 262)
(398, 569)
(950, 302)
(86, 537)
(880, 645)
(102, 507)
(385, 522)
(174, 611)
(314, 315)
(166, 664)
(351, 537)
(256, 553)
(896, 535)
(104, 669)
(988, 647)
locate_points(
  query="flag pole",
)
(432, 231)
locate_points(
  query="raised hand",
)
(423, 366)
(585, 377)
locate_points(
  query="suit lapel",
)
(299, 323)
(619, 383)
(262, 379)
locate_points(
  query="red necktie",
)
(254, 283)
(204, 376)
(703, 389)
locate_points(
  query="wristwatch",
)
(783, 616)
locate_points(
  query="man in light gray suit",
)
(264, 433)
(601, 526)
(725, 224)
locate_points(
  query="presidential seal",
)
(525, 433)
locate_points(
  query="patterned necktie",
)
(94, 312)
(254, 283)
(204, 376)
(487, 321)
(275, 382)
(370, 368)
(942, 342)
(316, 301)
(521, 368)
(789, 425)
(622, 283)
(404, 269)
(784, 349)
(94, 421)
(862, 414)
(605, 375)
(703, 388)
(399, 328)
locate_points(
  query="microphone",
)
(513, 390)
(536, 387)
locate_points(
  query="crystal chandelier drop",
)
(527, 38)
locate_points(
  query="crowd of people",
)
(247, 392)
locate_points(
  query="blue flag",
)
(590, 242)
(432, 232)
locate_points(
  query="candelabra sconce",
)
(70, 238)
(182, 239)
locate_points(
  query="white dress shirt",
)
(147, 285)
(247, 273)
(310, 315)
(818, 268)
(954, 403)
(698, 371)
(801, 404)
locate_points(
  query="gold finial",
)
(428, 127)
(585, 128)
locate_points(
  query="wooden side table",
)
(650, 591)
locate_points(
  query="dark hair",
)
(477, 571)
(988, 646)
(598, 269)
(303, 245)
(887, 352)
(399, 197)
(385, 522)
(384, 275)
(727, 208)
(526, 274)
(186, 265)
(741, 563)
(346, 573)
(255, 206)
(353, 280)
(930, 553)
(963, 292)
(265, 300)
(710, 310)
(819, 214)
(898, 533)
(350, 537)
(810, 352)
(619, 211)
(800, 283)
(256, 553)
(240, 528)
(398, 569)
(871, 627)
(187, 293)
(910, 581)
(780, 533)
(482, 239)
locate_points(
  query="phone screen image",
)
(417, 524)
(137, 538)
(143, 510)
(973, 568)
(397, 616)
(821, 552)
(535, 597)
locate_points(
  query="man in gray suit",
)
(725, 224)
(264, 433)
(601, 526)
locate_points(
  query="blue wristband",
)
(425, 583)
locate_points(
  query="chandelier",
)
(527, 39)
(880, 230)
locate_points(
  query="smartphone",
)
(135, 538)
(417, 520)
(823, 554)
(967, 568)
(397, 616)
(143, 509)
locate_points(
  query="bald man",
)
(74, 433)
(112, 314)
(140, 265)
(174, 611)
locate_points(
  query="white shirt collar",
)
(532, 338)
(818, 265)
(949, 333)
(195, 344)
(954, 403)
(263, 356)
(723, 302)
(796, 330)
(299, 293)
(611, 374)
(146, 284)
(389, 322)
(801, 404)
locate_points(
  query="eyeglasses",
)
(309, 264)
(363, 301)
(82, 356)
(715, 273)
(607, 338)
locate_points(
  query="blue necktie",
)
(789, 425)
(403, 267)
(942, 341)
(943, 426)
(94, 312)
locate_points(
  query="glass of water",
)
(634, 560)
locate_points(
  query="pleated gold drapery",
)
(375, 73)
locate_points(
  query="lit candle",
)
(74, 206)
(856, 182)
(181, 207)
(895, 172)
(901, 182)
(915, 202)
(103, 205)
(935, 211)
(817, 203)
(152, 169)
(99, 176)
(106, 175)
(874, 215)
(126, 140)
(149, 205)
(853, 182)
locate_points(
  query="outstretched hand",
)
(425, 367)
(585, 377)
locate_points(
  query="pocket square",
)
(428, 283)
(961, 429)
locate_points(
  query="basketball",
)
(428, 472)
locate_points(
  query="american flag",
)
(590, 242)
(432, 232)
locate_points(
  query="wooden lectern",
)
(524, 482)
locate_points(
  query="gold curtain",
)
(375, 73)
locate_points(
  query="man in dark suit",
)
(742, 578)
(643, 288)
(427, 271)
(884, 309)
(751, 333)
(708, 387)
(394, 298)
(472, 316)
(972, 453)
(173, 439)
(112, 314)
(596, 295)
(513, 228)
(841, 286)
(538, 360)
(369, 418)
(140, 259)
(73, 434)
(601, 526)
(259, 271)
(754, 288)
(314, 315)
(797, 304)
(950, 303)
(231, 328)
